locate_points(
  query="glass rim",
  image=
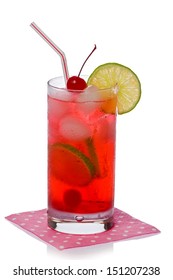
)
(52, 84)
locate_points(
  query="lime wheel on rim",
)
(120, 79)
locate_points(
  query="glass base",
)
(80, 225)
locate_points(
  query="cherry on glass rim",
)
(76, 83)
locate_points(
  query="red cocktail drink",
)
(81, 142)
(81, 156)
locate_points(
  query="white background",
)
(134, 33)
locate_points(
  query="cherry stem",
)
(86, 60)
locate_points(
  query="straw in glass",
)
(55, 48)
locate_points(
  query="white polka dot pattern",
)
(125, 227)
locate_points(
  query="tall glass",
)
(81, 159)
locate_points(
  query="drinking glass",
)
(81, 158)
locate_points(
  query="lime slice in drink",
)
(120, 79)
(70, 165)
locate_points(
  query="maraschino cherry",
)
(76, 82)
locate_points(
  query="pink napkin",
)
(125, 227)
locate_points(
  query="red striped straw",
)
(55, 48)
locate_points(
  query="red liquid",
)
(81, 157)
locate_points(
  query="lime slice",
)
(70, 165)
(120, 79)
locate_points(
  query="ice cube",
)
(60, 94)
(56, 109)
(87, 101)
(75, 129)
(91, 93)
(106, 127)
